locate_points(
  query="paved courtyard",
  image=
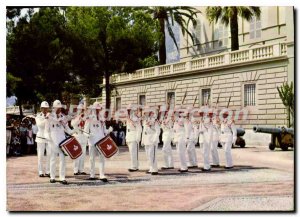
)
(261, 180)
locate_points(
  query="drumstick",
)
(84, 131)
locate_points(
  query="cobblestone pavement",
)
(260, 180)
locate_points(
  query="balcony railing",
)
(229, 58)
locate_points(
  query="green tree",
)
(39, 57)
(286, 93)
(166, 17)
(118, 38)
(229, 15)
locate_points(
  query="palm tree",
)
(166, 17)
(229, 15)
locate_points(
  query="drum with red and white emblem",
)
(71, 147)
(107, 146)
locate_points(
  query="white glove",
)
(110, 129)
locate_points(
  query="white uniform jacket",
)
(40, 122)
(228, 131)
(179, 131)
(151, 132)
(95, 129)
(133, 129)
(168, 131)
(55, 128)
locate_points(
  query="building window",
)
(249, 95)
(197, 33)
(221, 35)
(171, 99)
(118, 103)
(205, 96)
(142, 99)
(255, 28)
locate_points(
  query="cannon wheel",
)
(284, 147)
(241, 142)
(271, 146)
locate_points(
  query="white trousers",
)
(227, 146)
(79, 162)
(41, 147)
(62, 165)
(151, 153)
(167, 153)
(192, 155)
(93, 153)
(181, 150)
(206, 153)
(214, 152)
(134, 154)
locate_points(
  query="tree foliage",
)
(229, 16)
(286, 93)
(166, 17)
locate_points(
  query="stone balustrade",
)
(223, 59)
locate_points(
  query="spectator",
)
(30, 141)
(34, 131)
(23, 138)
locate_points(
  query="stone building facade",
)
(250, 76)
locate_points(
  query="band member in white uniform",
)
(42, 143)
(207, 137)
(167, 136)
(215, 139)
(95, 129)
(228, 137)
(78, 126)
(191, 138)
(150, 139)
(133, 136)
(180, 138)
(56, 126)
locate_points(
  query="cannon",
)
(280, 137)
(239, 141)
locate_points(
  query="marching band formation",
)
(182, 127)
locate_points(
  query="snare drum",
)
(107, 147)
(71, 147)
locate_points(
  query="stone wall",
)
(268, 110)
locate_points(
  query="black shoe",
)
(64, 182)
(154, 173)
(167, 168)
(228, 168)
(183, 171)
(133, 170)
(104, 180)
(92, 178)
(52, 181)
(41, 175)
(83, 173)
(47, 175)
(205, 170)
(192, 167)
(76, 174)
(215, 166)
(147, 172)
